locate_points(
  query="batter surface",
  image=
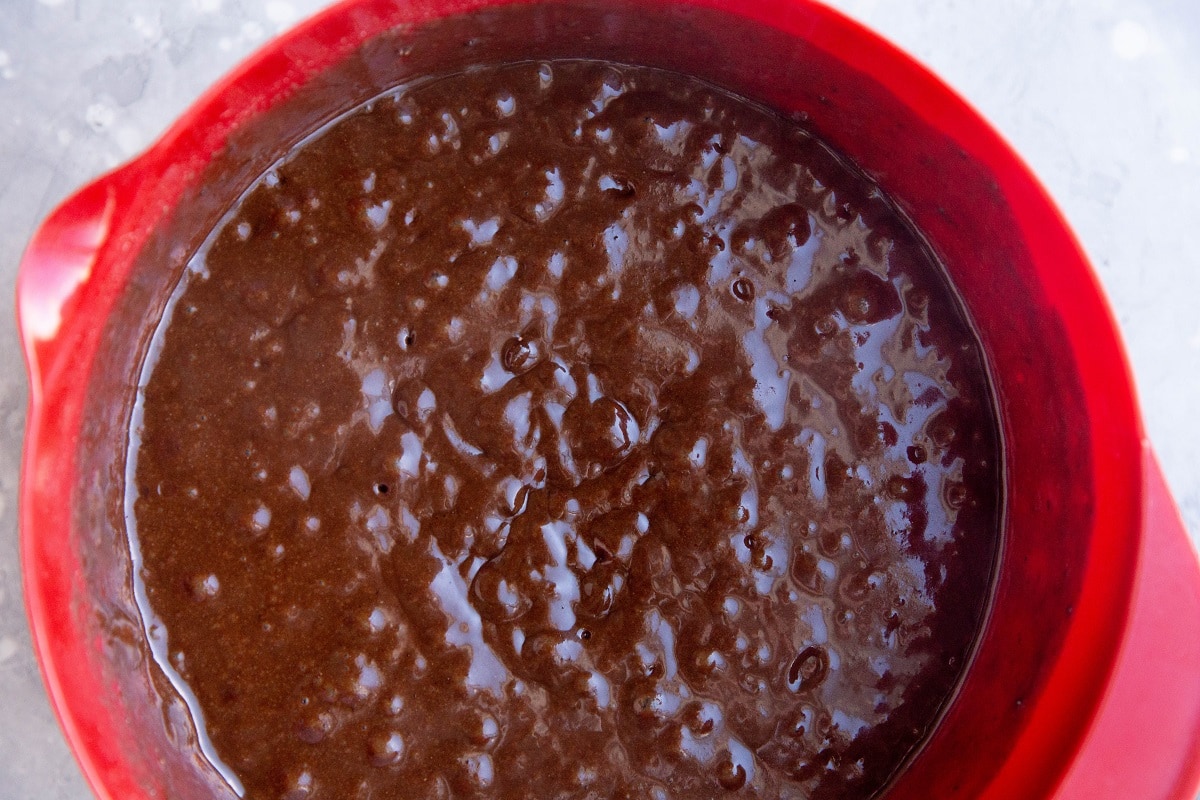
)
(563, 431)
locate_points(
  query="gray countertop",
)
(1100, 96)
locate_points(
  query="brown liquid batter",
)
(563, 430)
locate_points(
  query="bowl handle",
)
(57, 270)
(1145, 739)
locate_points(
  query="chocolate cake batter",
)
(563, 431)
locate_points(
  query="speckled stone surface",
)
(1100, 96)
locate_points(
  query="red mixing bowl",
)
(1086, 680)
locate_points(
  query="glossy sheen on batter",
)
(563, 430)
